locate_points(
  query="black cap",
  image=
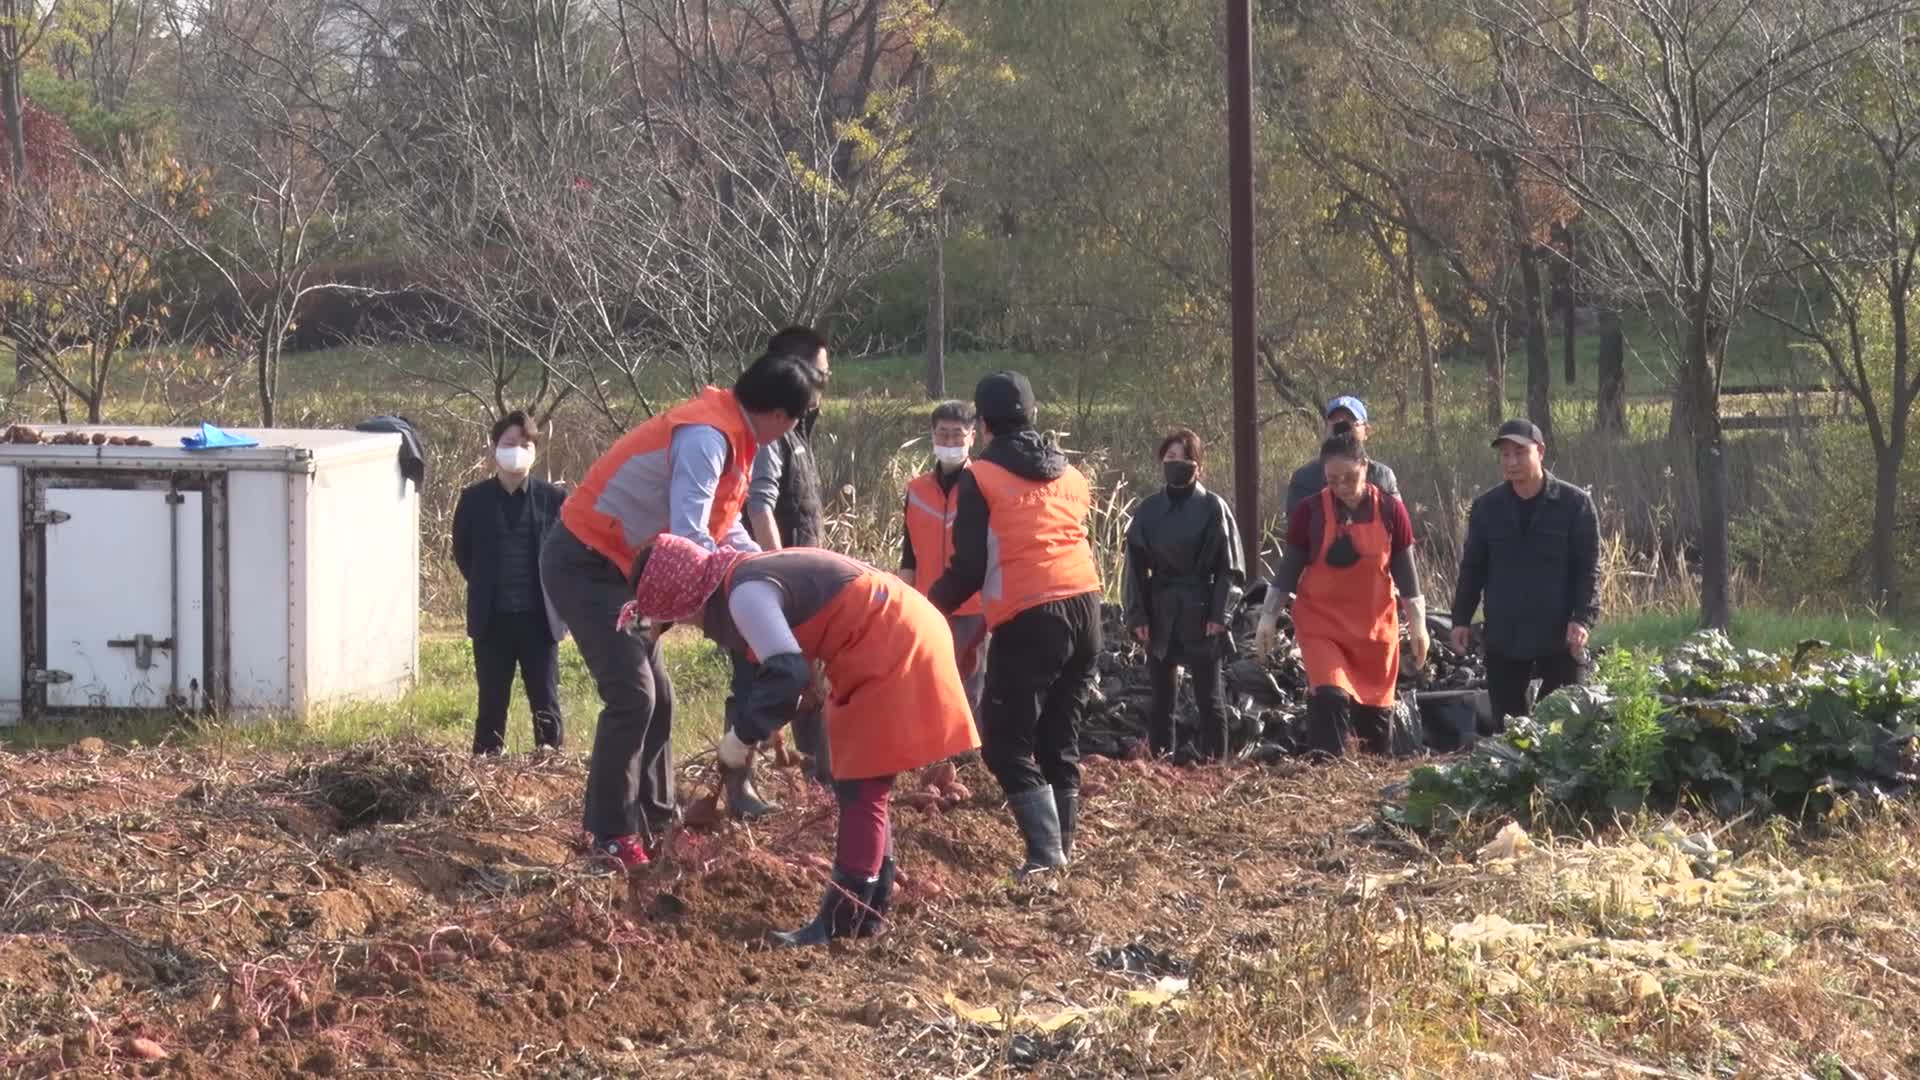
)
(1519, 431)
(1004, 397)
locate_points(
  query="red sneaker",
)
(624, 853)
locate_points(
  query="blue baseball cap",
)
(1350, 403)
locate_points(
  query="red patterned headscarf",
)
(679, 577)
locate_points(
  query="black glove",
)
(772, 697)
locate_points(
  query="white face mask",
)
(514, 459)
(951, 456)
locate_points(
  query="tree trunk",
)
(1610, 415)
(937, 314)
(1497, 367)
(1570, 310)
(13, 111)
(1884, 578)
(1539, 365)
(263, 371)
(1429, 409)
(1710, 471)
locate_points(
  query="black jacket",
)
(1183, 569)
(478, 521)
(1533, 582)
(1024, 454)
(413, 449)
(797, 510)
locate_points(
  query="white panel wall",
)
(363, 580)
(12, 649)
(258, 560)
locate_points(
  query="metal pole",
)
(1246, 446)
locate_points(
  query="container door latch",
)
(142, 646)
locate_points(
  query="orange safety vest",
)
(930, 513)
(1344, 618)
(714, 408)
(1037, 550)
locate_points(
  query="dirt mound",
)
(382, 784)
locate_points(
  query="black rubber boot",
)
(1066, 803)
(1213, 736)
(1038, 817)
(841, 911)
(743, 802)
(1329, 721)
(874, 920)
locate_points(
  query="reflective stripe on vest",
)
(930, 517)
(588, 519)
(1037, 549)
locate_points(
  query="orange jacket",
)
(623, 502)
(930, 513)
(1037, 550)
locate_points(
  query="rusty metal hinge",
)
(44, 677)
(43, 517)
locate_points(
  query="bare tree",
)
(270, 83)
(634, 196)
(82, 274)
(1844, 232)
(1681, 107)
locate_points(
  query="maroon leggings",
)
(864, 840)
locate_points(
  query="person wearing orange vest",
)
(1020, 544)
(684, 472)
(895, 702)
(926, 546)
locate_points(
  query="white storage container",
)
(253, 582)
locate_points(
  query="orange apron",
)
(897, 701)
(1344, 618)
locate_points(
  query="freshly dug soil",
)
(188, 913)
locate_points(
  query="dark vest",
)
(797, 509)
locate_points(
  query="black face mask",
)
(1179, 474)
(1341, 553)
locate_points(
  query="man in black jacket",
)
(498, 527)
(1533, 557)
(784, 508)
(1344, 412)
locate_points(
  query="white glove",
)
(734, 754)
(1417, 635)
(1265, 636)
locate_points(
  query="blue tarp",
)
(213, 438)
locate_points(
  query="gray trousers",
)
(970, 636)
(630, 770)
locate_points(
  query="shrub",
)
(1729, 729)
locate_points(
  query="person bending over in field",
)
(896, 700)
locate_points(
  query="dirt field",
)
(405, 911)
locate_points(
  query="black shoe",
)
(840, 913)
(1329, 721)
(1039, 821)
(1066, 802)
(873, 921)
(743, 802)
